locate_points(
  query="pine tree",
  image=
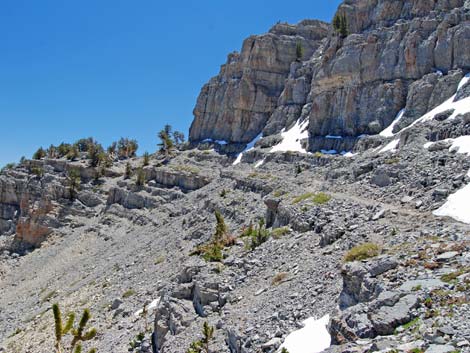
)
(343, 27)
(203, 345)
(73, 181)
(140, 177)
(146, 160)
(128, 171)
(299, 51)
(166, 143)
(39, 154)
(337, 22)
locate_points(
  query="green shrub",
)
(299, 51)
(279, 232)
(73, 181)
(321, 198)
(303, 197)
(128, 171)
(203, 345)
(39, 154)
(140, 177)
(362, 252)
(78, 333)
(128, 293)
(8, 167)
(37, 170)
(212, 251)
(146, 160)
(255, 236)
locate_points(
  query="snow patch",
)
(334, 137)
(312, 338)
(461, 107)
(329, 151)
(391, 146)
(220, 142)
(249, 147)
(259, 164)
(349, 154)
(151, 306)
(388, 132)
(291, 138)
(461, 145)
(456, 206)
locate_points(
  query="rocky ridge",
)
(398, 55)
(120, 245)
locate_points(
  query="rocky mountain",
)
(249, 229)
(398, 55)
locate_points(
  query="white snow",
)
(312, 338)
(334, 137)
(150, 307)
(249, 147)
(456, 206)
(349, 154)
(391, 146)
(461, 145)
(259, 164)
(220, 142)
(291, 138)
(461, 107)
(388, 132)
(329, 151)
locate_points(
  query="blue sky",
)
(102, 68)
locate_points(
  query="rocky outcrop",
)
(398, 55)
(235, 105)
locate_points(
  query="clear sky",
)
(112, 68)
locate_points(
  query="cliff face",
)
(235, 105)
(398, 55)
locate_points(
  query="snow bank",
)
(291, 138)
(388, 132)
(150, 307)
(220, 142)
(461, 107)
(250, 146)
(456, 205)
(259, 164)
(312, 338)
(390, 147)
(461, 145)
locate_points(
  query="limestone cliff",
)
(398, 55)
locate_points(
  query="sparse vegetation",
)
(280, 232)
(78, 333)
(279, 278)
(146, 160)
(299, 51)
(126, 148)
(255, 236)
(213, 250)
(8, 167)
(128, 171)
(340, 24)
(319, 198)
(203, 345)
(39, 154)
(128, 293)
(362, 252)
(140, 177)
(73, 182)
